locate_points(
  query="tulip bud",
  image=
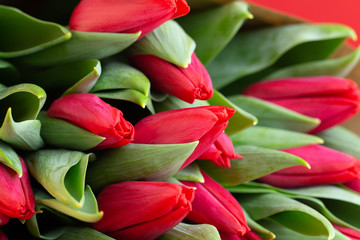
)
(220, 152)
(353, 185)
(328, 166)
(2, 236)
(203, 124)
(350, 233)
(3, 219)
(214, 205)
(91, 113)
(17, 198)
(142, 210)
(188, 84)
(125, 16)
(331, 99)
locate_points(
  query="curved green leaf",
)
(184, 231)
(272, 115)
(25, 34)
(89, 211)
(212, 29)
(253, 51)
(256, 162)
(288, 212)
(168, 42)
(343, 140)
(170, 102)
(273, 138)
(61, 173)
(8, 73)
(138, 161)
(260, 230)
(10, 158)
(129, 95)
(72, 233)
(240, 120)
(340, 67)
(190, 173)
(60, 133)
(82, 45)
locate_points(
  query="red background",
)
(345, 12)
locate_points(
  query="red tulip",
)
(17, 198)
(3, 219)
(187, 84)
(350, 233)
(203, 124)
(142, 210)
(220, 152)
(91, 113)
(353, 185)
(2, 236)
(328, 166)
(214, 205)
(333, 100)
(125, 16)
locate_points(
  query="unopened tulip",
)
(220, 152)
(350, 233)
(328, 166)
(188, 84)
(3, 236)
(331, 99)
(214, 205)
(123, 16)
(203, 124)
(142, 210)
(3, 219)
(17, 198)
(93, 114)
(353, 185)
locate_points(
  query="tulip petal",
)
(273, 138)
(218, 26)
(26, 35)
(256, 162)
(184, 231)
(138, 161)
(82, 45)
(64, 174)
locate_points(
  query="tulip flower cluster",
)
(137, 122)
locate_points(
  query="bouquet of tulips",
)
(145, 120)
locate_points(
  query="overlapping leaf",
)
(184, 231)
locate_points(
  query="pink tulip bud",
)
(350, 233)
(142, 210)
(214, 205)
(17, 198)
(124, 16)
(93, 114)
(328, 166)
(3, 219)
(331, 99)
(203, 124)
(220, 152)
(353, 185)
(187, 84)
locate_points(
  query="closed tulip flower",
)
(350, 233)
(328, 166)
(17, 198)
(203, 124)
(188, 84)
(331, 99)
(3, 219)
(3, 236)
(221, 151)
(93, 114)
(123, 16)
(142, 210)
(353, 185)
(214, 205)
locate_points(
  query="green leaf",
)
(8, 73)
(168, 42)
(10, 158)
(253, 51)
(138, 161)
(61, 173)
(288, 212)
(130, 95)
(62, 134)
(256, 162)
(25, 34)
(240, 120)
(170, 102)
(343, 140)
(190, 173)
(284, 233)
(340, 67)
(75, 77)
(212, 29)
(82, 45)
(89, 211)
(72, 233)
(184, 231)
(260, 230)
(272, 115)
(273, 138)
